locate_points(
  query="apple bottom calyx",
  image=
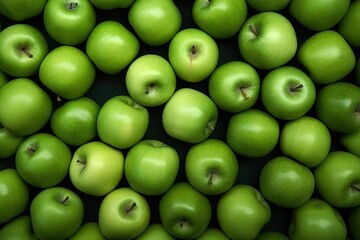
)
(128, 209)
(71, 5)
(183, 223)
(31, 149)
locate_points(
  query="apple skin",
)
(338, 107)
(88, 230)
(56, 213)
(155, 231)
(287, 93)
(220, 19)
(3, 79)
(122, 122)
(22, 49)
(242, 212)
(184, 212)
(21, 10)
(150, 80)
(353, 222)
(234, 86)
(306, 140)
(69, 22)
(259, 40)
(189, 116)
(212, 233)
(151, 167)
(286, 183)
(326, 56)
(43, 160)
(14, 195)
(350, 19)
(123, 214)
(9, 143)
(18, 228)
(271, 235)
(193, 54)
(318, 15)
(351, 141)
(67, 71)
(252, 133)
(211, 166)
(268, 6)
(155, 21)
(111, 47)
(317, 219)
(111, 4)
(337, 179)
(25, 108)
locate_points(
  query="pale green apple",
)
(19, 10)
(268, 5)
(111, 4)
(351, 141)
(347, 23)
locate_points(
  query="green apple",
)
(123, 214)
(150, 80)
(14, 195)
(75, 121)
(287, 93)
(193, 54)
(347, 23)
(221, 19)
(338, 107)
(317, 219)
(351, 141)
(155, 21)
(19, 228)
(267, 40)
(306, 140)
(337, 179)
(96, 168)
(122, 122)
(9, 143)
(43, 160)
(19, 10)
(242, 212)
(211, 166)
(213, 233)
(184, 212)
(357, 72)
(151, 167)
(286, 182)
(155, 231)
(252, 133)
(318, 15)
(111, 46)
(25, 108)
(189, 116)
(271, 235)
(234, 86)
(268, 6)
(56, 213)
(111, 4)
(22, 49)
(69, 22)
(88, 231)
(67, 72)
(3, 79)
(326, 56)
(353, 222)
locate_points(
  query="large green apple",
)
(19, 10)
(88, 231)
(155, 231)
(351, 141)
(155, 21)
(25, 108)
(268, 6)
(326, 56)
(347, 23)
(111, 4)
(9, 143)
(19, 228)
(353, 222)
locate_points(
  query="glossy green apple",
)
(19, 228)
(22, 49)
(211, 166)
(317, 219)
(151, 167)
(43, 160)
(155, 231)
(3, 79)
(56, 213)
(75, 121)
(123, 214)
(111, 46)
(287, 93)
(150, 80)
(111, 4)
(268, 6)
(353, 222)
(338, 107)
(347, 23)
(351, 141)
(122, 122)
(267, 40)
(306, 140)
(252, 133)
(271, 235)
(193, 54)
(189, 116)
(213, 233)
(96, 168)
(155, 21)
(67, 71)
(242, 212)
(318, 15)
(25, 108)
(286, 182)
(9, 143)
(184, 212)
(326, 56)
(19, 10)
(87, 231)
(338, 180)
(220, 18)
(14, 195)
(69, 22)
(234, 86)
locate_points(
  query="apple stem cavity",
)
(63, 201)
(130, 208)
(71, 5)
(27, 52)
(294, 89)
(254, 30)
(356, 187)
(31, 149)
(211, 177)
(150, 88)
(242, 90)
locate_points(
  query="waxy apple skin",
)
(18, 228)
(20, 10)
(351, 141)
(155, 231)
(88, 230)
(9, 143)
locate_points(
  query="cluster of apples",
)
(162, 119)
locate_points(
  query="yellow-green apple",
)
(111, 4)
(351, 141)
(347, 23)
(87, 231)
(268, 6)
(20, 10)
(353, 222)
(18, 228)
(9, 143)
(155, 231)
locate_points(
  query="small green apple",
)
(347, 23)
(268, 6)
(9, 143)
(271, 235)
(112, 4)
(212, 233)
(20, 10)
(19, 228)
(88, 231)
(351, 141)
(155, 231)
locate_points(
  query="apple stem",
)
(65, 200)
(211, 175)
(58, 99)
(293, 89)
(128, 210)
(31, 149)
(244, 93)
(148, 90)
(27, 52)
(254, 30)
(71, 5)
(80, 161)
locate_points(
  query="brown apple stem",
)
(27, 52)
(65, 200)
(81, 161)
(58, 99)
(71, 5)
(254, 30)
(128, 210)
(244, 93)
(211, 176)
(31, 150)
(293, 89)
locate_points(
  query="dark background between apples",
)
(107, 86)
